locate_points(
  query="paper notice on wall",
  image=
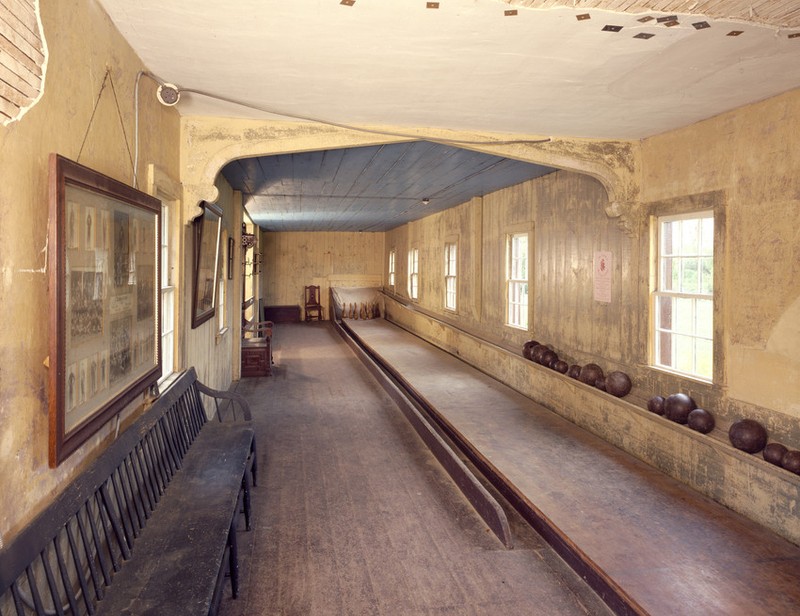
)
(602, 276)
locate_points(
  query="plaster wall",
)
(751, 154)
(61, 122)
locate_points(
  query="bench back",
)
(63, 561)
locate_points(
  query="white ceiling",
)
(466, 65)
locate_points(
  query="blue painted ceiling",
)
(374, 188)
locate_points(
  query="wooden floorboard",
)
(671, 550)
(353, 515)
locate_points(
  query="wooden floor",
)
(669, 550)
(353, 515)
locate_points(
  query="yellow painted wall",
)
(83, 45)
(294, 260)
(751, 154)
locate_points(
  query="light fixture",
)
(168, 94)
(644, 35)
(701, 25)
(612, 28)
(425, 201)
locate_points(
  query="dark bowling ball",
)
(677, 408)
(574, 371)
(600, 383)
(528, 347)
(590, 373)
(561, 366)
(774, 452)
(548, 357)
(701, 420)
(791, 462)
(656, 405)
(553, 362)
(536, 353)
(618, 384)
(748, 435)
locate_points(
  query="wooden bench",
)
(150, 526)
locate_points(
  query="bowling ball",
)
(561, 366)
(701, 420)
(590, 373)
(774, 452)
(548, 357)
(791, 461)
(618, 384)
(600, 383)
(656, 405)
(677, 407)
(528, 347)
(748, 435)
(536, 353)
(574, 371)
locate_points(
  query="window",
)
(413, 273)
(391, 268)
(683, 301)
(517, 280)
(167, 298)
(450, 275)
(222, 317)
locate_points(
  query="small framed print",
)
(104, 301)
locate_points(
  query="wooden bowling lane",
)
(648, 543)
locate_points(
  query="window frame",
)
(696, 299)
(167, 293)
(451, 276)
(517, 312)
(413, 273)
(392, 267)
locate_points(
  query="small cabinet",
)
(257, 357)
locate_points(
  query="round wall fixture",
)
(168, 94)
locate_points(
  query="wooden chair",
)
(311, 303)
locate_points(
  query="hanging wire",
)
(108, 78)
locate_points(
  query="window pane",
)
(707, 275)
(689, 278)
(690, 237)
(707, 237)
(666, 238)
(664, 308)
(684, 353)
(705, 318)
(704, 352)
(684, 315)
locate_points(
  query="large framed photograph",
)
(104, 319)
(207, 234)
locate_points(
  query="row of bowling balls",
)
(616, 383)
(746, 434)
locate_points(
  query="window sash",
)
(450, 259)
(391, 268)
(517, 280)
(683, 301)
(413, 273)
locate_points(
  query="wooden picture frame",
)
(104, 265)
(207, 234)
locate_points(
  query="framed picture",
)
(207, 233)
(105, 344)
